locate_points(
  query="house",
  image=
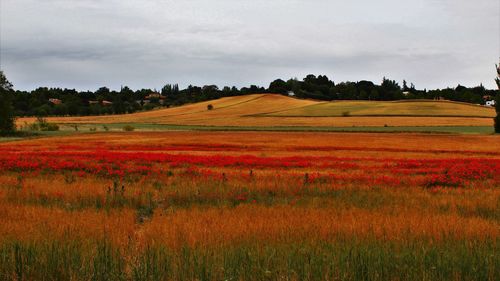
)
(291, 94)
(55, 101)
(155, 96)
(490, 103)
(106, 103)
(93, 102)
(405, 93)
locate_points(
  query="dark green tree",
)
(497, 102)
(6, 111)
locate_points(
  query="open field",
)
(250, 206)
(279, 111)
(389, 108)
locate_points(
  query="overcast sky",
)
(86, 44)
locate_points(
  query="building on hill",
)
(490, 103)
(106, 103)
(291, 94)
(155, 96)
(55, 101)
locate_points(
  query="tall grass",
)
(366, 215)
(345, 260)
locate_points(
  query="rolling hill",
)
(276, 110)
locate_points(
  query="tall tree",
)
(6, 111)
(497, 101)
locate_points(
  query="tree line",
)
(45, 101)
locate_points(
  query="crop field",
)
(250, 206)
(390, 108)
(267, 110)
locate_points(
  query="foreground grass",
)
(345, 260)
(250, 206)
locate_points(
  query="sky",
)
(87, 44)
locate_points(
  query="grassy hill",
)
(268, 110)
(389, 108)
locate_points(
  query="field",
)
(267, 110)
(209, 205)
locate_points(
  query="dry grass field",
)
(267, 110)
(250, 206)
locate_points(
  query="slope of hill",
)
(276, 110)
(389, 108)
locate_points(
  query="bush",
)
(149, 106)
(210, 107)
(41, 124)
(51, 127)
(128, 128)
(346, 113)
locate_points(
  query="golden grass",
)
(405, 145)
(389, 108)
(187, 210)
(263, 109)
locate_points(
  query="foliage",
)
(105, 101)
(41, 124)
(7, 125)
(497, 102)
(210, 107)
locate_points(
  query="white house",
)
(490, 103)
(291, 94)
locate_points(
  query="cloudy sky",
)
(86, 44)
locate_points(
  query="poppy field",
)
(250, 206)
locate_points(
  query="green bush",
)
(128, 128)
(41, 124)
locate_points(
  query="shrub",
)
(346, 113)
(51, 127)
(149, 106)
(128, 128)
(41, 124)
(210, 107)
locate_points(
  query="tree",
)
(6, 111)
(497, 102)
(278, 86)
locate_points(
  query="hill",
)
(277, 110)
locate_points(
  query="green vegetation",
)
(348, 260)
(7, 125)
(41, 124)
(385, 129)
(497, 102)
(45, 101)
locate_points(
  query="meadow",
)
(231, 205)
(270, 110)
